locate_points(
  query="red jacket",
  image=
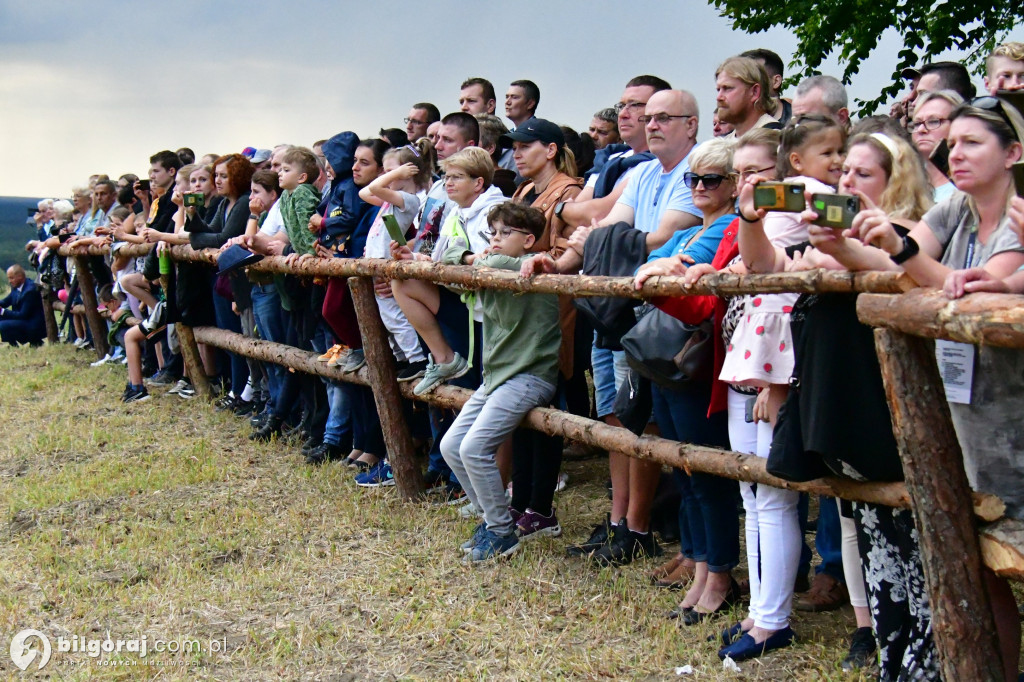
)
(696, 309)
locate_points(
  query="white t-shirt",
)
(274, 222)
(378, 241)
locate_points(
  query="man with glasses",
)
(744, 96)
(419, 119)
(656, 201)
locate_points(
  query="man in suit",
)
(21, 312)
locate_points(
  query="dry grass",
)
(162, 519)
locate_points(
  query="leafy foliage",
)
(850, 29)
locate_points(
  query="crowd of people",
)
(791, 377)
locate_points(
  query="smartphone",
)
(780, 196)
(835, 210)
(1018, 177)
(391, 223)
(748, 409)
(940, 157)
(193, 199)
(144, 185)
(32, 212)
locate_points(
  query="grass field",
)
(162, 519)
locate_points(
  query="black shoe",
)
(414, 370)
(267, 431)
(243, 408)
(598, 539)
(226, 402)
(626, 545)
(310, 445)
(325, 452)
(732, 596)
(862, 650)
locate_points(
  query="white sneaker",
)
(182, 383)
(470, 511)
(563, 480)
(102, 361)
(79, 342)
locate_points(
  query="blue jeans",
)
(708, 521)
(471, 444)
(226, 319)
(338, 429)
(440, 421)
(609, 368)
(266, 308)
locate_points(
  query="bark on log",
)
(574, 285)
(52, 333)
(380, 368)
(87, 286)
(1002, 548)
(990, 319)
(128, 250)
(193, 361)
(962, 621)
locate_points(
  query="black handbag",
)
(787, 458)
(668, 351)
(634, 403)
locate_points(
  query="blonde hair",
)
(1010, 50)
(714, 154)
(750, 72)
(949, 96)
(62, 208)
(475, 161)
(766, 138)
(907, 193)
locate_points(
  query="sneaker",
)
(468, 545)
(339, 358)
(118, 354)
(161, 378)
(243, 408)
(434, 481)
(453, 494)
(226, 402)
(355, 360)
(102, 361)
(598, 538)
(563, 480)
(80, 342)
(187, 391)
(436, 374)
(331, 352)
(534, 525)
(471, 511)
(491, 546)
(182, 383)
(379, 476)
(414, 370)
(862, 650)
(626, 545)
(135, 395)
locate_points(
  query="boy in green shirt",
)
(520, 368)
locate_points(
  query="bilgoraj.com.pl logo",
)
(32, 647)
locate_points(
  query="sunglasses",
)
(711, 181)
(995, 105)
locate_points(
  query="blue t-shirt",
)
(703, 249)
(651, 192)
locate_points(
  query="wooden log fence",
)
(953, 547)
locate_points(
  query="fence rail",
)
(946, 511)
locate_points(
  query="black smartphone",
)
(144, 185)
(32, 212)
(940, 157)
(748, 409)
(1018, 177)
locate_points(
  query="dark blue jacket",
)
(347, 218)
(26, 307)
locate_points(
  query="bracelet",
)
(253, 216)
(745, 218)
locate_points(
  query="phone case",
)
(835, 210)
(780, 196)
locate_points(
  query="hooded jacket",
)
(347, 218)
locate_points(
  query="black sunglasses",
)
(994, 104)
(712, 181)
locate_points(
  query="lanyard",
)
(970, 248)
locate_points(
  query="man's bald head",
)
(15, 276)
(672, 138)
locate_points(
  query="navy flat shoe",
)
(745, 647)
(730, 634)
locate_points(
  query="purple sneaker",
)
(534, 525)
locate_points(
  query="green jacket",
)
(297, 206)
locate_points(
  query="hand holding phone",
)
(391, 223)
(835, 210)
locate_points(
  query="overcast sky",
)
(97, 87)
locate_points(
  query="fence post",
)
(962, 621)
(97, 325)
(52, 334)
(380, 366)
(193, 361)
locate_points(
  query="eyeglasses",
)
(661, 119)
(755, 171)
(929, 124)
(413, 120)
(506, 232)
(632, 106)
(711, 181)
(452, 177)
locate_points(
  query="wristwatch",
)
(559, 207)
(910, 249)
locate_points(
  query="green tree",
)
(850, 29)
